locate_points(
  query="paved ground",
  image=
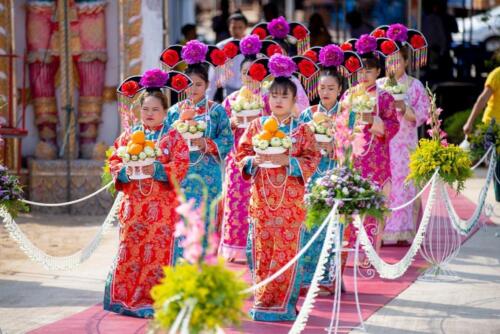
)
(31, 296)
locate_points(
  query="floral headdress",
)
(332, 57)
(372, 47)
(252, 47)
(196, 52)
(279, 29)
(401, 35)
(153, 79)
(282, 66)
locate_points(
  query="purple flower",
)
(279, 27)
(366, 44)
(154, 78)
(331, 55)
(397, 32)
(281, 66)
(194, 52)
(250, 45)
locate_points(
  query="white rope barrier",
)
(490, 150)
(396, 270)
(465, 226)
(255, 287)
(50, 262)
(71, 202)
(402, 206)
(332, 233)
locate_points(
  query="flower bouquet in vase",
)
(247, 105)
(138, 153)
(397, 90)
(271, 141)
(363, 103)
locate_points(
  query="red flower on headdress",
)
(346, 46)
(170, 57)
(218, 57)
(272, 49)
(387, 47)
(352, 64)
(417, 42)
(179, 82)
(230, 50)
(257, 72)
(130, 88)
(299, 32)
(378, 33)
(306, 68)
(311, 55)
(261, 32)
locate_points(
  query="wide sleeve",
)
(306, 158)
(244, 151)
(388, 114)
(173, 164)
(221, 143)
(227, 104)
(419, 102)
(116, 166)
(306, 116)
(344, 126)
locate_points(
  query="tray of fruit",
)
(191, 129)
(320, 127)
(397, 90)
(271, 141)
(138, 153)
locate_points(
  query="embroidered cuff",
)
(159, 172)
(294, 168)
(249, 168)
(122, 175)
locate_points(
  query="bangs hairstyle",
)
(156, 93)
(200, 69)
(329, 72)
(371, 61)
(237, 17)
(281, 85)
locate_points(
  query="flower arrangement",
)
(271, 140)
(281, 66)
(356, 195)
(331, 56)
(200, 284)
(154, 78)
(194, 52)
(190, 128)
(106, 176)
(11, 193)
(397, 90)
(138, 149)
(483, 137)
(250, 45)
(322, 131)
(247, 100)
(279, 27)
(366, 44)
(453, 162)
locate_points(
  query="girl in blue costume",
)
(217, 140)
(330, 57)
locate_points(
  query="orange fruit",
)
(271, 125)
(280, 134)
(149, 143)
(135, 149)
(265, 135)
(186, 114)
(138, 137)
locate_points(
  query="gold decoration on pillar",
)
(130, 38)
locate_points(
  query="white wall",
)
(109, 128)
(152, 33)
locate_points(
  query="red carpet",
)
(373, 293)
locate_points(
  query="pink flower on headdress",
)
(366, 44)
(250, 45)
(397, 32)
(281, 66)
(331, 55)
(194, 52)
(154, 78)
(279, 28)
